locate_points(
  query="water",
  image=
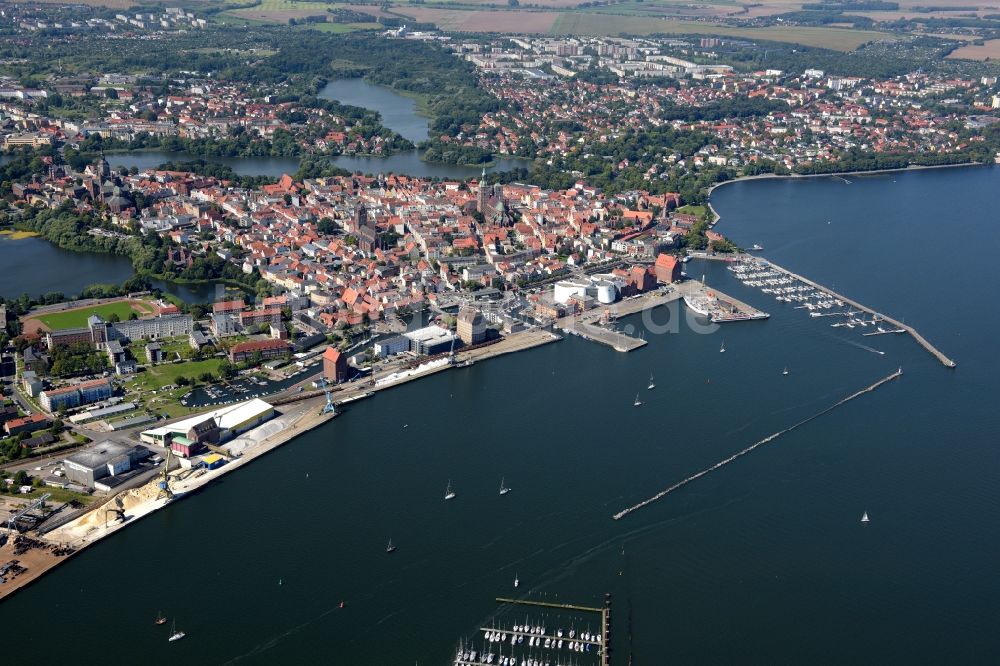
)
(274, 167)
(763, 561)
(69, 272)
(399, 113)
(35, 266)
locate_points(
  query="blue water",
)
(764, 561)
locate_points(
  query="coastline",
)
(302, 414)
(833, 174)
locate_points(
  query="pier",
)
(947, 362)
(603, 644)
(708, 470)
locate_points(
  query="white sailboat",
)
(637, 403)
(652, 384)
(174, 634)
(722, 349)
(503, 489)
(448, 492)
(864, 517)
(785, 371)
(516, 581)
(390, 548)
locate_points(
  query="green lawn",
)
(78, 318)
(161, 375)
(692, 210)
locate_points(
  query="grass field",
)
(692, 210)
(78, 318)
(159, 376)
(10, 234)
(343, 27)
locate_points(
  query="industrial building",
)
(432, 340)
(189, 436)
(102, 459)
(392, 346)
(471, 326)
(334, 365)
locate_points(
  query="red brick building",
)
(667, 268)
(334, 366)
(268, 349)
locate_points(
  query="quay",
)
(702, 299)
(921, 340)
(302, 412)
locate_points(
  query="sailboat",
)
(174, 634)
(449, 493)
(637, 402)
(503, 489)
(864, 517)
(516, 581)
(159, 619)
(390, 548)
(722, 349)
(785, 371)
(652, 384)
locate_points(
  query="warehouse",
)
(188, 436)
(100, 460)
(432, 340)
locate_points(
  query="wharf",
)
(720, 308)
(586, 324)
(604, 645)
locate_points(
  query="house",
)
(667, 268)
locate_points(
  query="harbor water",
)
(762, 561)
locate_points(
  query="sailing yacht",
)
(390, 548)
(516, 581)
(503, 489)
(174, 634)
(160, 619)
(652, 384)
(449, 493)
(722, 349)
(785, 371)
(637, 403)
(864, 517)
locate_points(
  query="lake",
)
(763, 561)
(35, 266)
(398, 113)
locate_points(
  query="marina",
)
(789, 287)
(540, 640)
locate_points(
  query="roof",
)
(211, 458)
(332, 354)
(258, 345)
(226, 417)
(99, 454)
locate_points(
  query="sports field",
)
(77, 318)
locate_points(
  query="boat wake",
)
(861, 346)
(738, 454)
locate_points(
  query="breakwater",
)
(708, 470)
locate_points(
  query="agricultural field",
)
(77, 318)
(280, 11)
(457, 20)
(990, 50)
(344, 27)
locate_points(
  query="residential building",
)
(267, 349)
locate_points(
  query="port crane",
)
(38, 503)
(165, 481)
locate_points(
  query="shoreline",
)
(302, 414)
(833, 174)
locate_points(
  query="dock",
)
(603, 645)
(921, 340)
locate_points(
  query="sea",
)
(763, 561)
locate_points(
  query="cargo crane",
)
(38, 503)
(330, 407)
(165, 481)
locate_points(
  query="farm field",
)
(459, 20)
(77, 318)
(990, 50)
(280, 11)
